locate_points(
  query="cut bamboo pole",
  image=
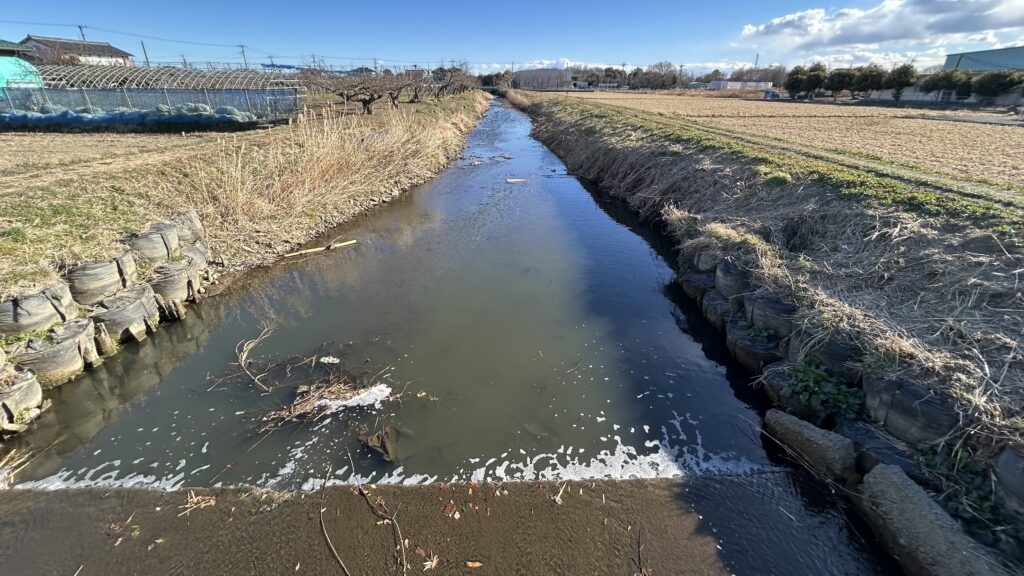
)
(331, 246)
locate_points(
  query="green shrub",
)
(967, 491)
(760, 334)
(995, 83)
(901, 77)
(825, 396)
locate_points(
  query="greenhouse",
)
(122, 98)
(17, 73)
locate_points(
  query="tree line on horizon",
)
(661, 75)
(816, 78)
(801, 80)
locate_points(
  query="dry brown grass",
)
(903, 287)
(258, 193)
(919, 138)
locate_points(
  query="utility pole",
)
(244, 59)
(757, 59)
(271, 56)
(144, 53)
(183, 61)
(81, 30)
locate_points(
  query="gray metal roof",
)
(78, 47)
(1011, 58)
(6, 46)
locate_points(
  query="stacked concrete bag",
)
(21, 397)
(177, 278)
(91, 282)
(69, 327)
(61, 353)
(874, 457)
(37, 311)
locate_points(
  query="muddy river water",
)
(535, 332)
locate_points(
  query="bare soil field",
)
(923, 139)
(25, 152)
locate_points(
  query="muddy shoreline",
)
(512, 528)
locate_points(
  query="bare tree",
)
(366, 86)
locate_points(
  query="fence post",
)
(7, 96)
(126, 98)
(86, 96)
(248, 102)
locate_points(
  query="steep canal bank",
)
(549, 342)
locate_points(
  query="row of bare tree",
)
(367, 86)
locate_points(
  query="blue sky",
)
(493, 35)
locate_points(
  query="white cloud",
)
(851, 58)
(724, 65)
(906, 21)
(1010, 43)
(987, 36)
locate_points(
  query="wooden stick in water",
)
(330, 246)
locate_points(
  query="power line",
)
(112, 31)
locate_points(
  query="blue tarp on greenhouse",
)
(142, 108)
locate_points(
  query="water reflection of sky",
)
(539, 323)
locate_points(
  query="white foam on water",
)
(372, 396)
(109, 479)
(675, 454)
(653, 459)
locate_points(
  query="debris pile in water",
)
(319, 384)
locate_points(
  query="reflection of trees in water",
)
(85, 406)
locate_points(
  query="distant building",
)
(985, 60)
(66, 51)
(11, 49)
(543, 79)
(728, 85)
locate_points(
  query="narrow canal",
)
(534, 332)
